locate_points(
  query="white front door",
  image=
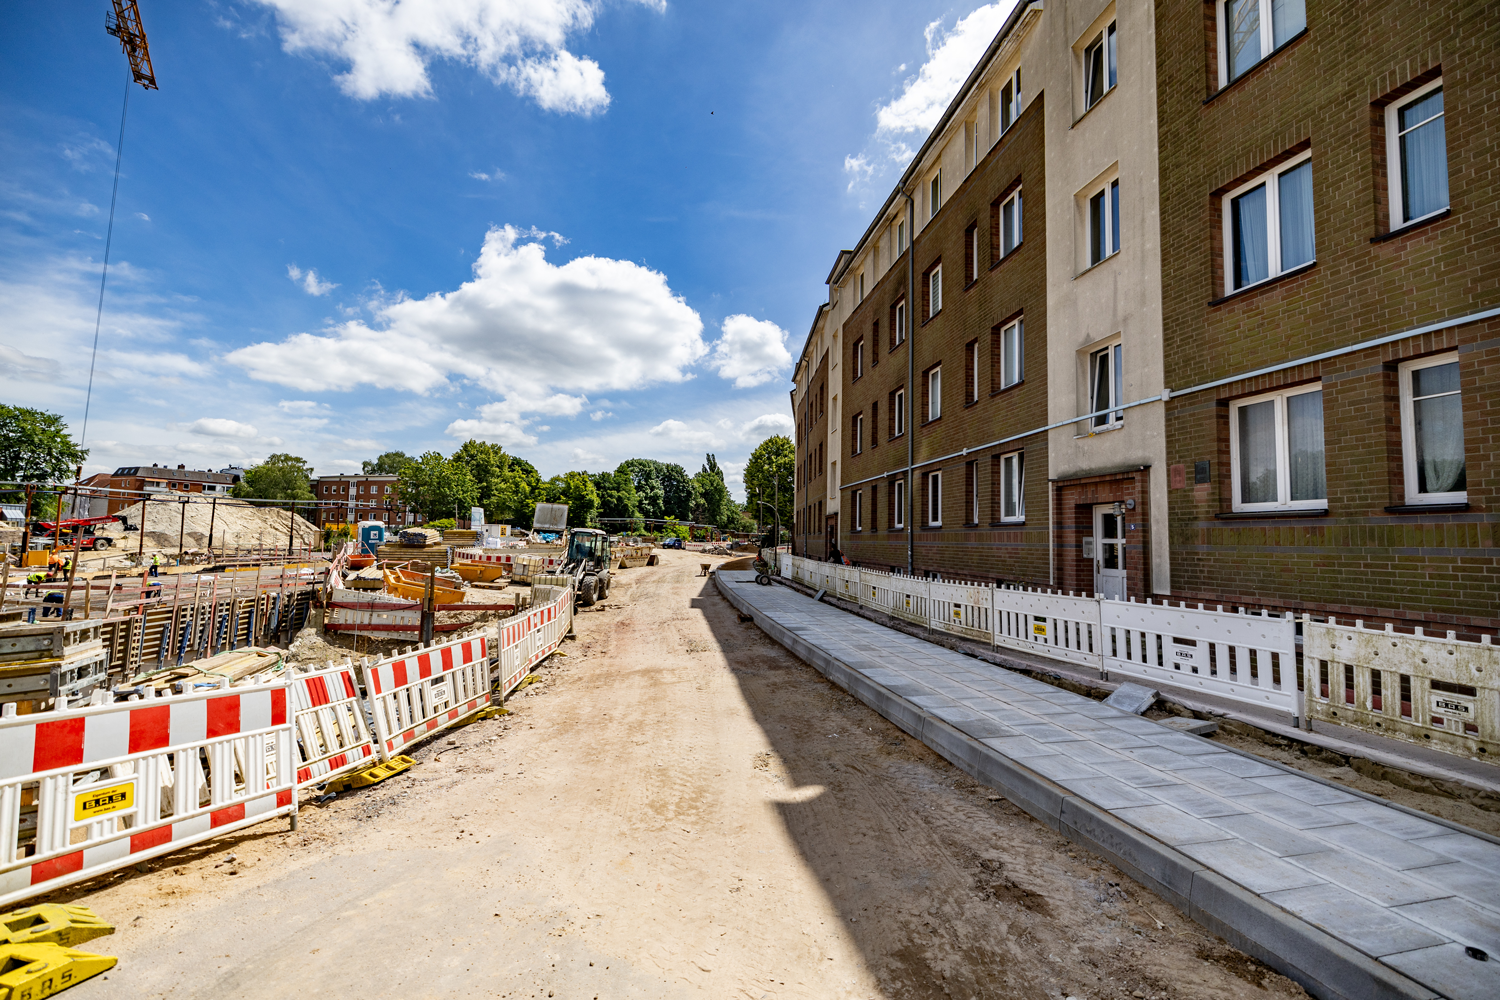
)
(1109, 552)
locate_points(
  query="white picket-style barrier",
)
(1249, 658)
(426, 689)
(88, 790)
(527, 639)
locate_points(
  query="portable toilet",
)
(371, 536)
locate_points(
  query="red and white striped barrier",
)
(332, 735)
(85, 791)
(425, 690)
(526, 640)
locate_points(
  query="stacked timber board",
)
(421, 557)
(49, 664)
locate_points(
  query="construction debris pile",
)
(236, 524)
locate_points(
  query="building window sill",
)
(1008, 524)
(1268, 282)
(934, 316)
(1427, 508)
(1098, 264)
(1255, 70)
(1006, 257)
(929, 423)
(1117, 425)
(1413, 226)
(1255, 515)
(1009, 388)
(1090, 109)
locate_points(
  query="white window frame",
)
(1008, 109)
(935, 193)
(1272, 180)
(935, 291)
(859, 433)
(1283, 454)
(1013, 483)
(1114, 418)
(1013, 198)
(1267, 38)
(859, 358)
(899, 405)
(935, 393)
(1409, 439)
(972, 474)
(974, 252)
(898, 506)
(1393, 155)
(900, 322)
(861, 285)
(1107, 43)
(974, 370)
(1109, 192)
(859, 510)
(900, 237)
(935, 499)
(1016, 329)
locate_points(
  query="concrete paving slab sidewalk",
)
(1349, 895)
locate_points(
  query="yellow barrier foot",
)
(372, 775)
(50, 923)
(33, 971)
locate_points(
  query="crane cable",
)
(108, 240)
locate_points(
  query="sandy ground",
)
(678, 808)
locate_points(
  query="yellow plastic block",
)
(49, 923)
(33, 971)
(372, 775)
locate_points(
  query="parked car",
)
(671, 543)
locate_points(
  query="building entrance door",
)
(1109, 552)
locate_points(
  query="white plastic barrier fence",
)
(1062, 626)
(1249, 658)
(1243, 657)
(88, 790)
(426, 689)
(527, 639)
(332, 734)
(961, 608)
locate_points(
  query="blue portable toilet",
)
(371, 536)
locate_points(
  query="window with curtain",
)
(1107, 384)
(1250, 30)
(1010, 223)
(934, 394)
(1012, 480)
(935, 499)
(1011, 350)
(1276, 451)
(1432, 431)
(934, 291)
(1418, 155)
(898, 503)
(1268, 225)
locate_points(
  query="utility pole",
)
(429, 612)
(213, 511)
(181, 528)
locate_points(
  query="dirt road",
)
(679, 808)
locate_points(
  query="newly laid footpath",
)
(1347, 894)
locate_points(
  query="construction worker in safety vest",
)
(34, 583)
(155, 564)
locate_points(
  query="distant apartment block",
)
(354, 498)
(109, 493)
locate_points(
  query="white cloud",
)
(23, 365)
(680, 433)
(387, 44)
(751, 351)
(309, 280)
(493, 175)
(301, 407)
(951, 56)
(600, 414)
(219, 427)
(537, 335)
(143, 216)
(766, 425)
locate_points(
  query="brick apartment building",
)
(1207, 244)
(111, 492)
(1330, 223)
(350, 499)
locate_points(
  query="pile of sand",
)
(236, 524)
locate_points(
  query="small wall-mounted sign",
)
(1088, 547)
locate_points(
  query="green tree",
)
(35, 447)
(663, 488)
(769, 479)
(436, 486)
(617, 498)
(576, 490)
(388, 464)
(712, 503)
(279, 477)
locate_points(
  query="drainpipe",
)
(911, 394)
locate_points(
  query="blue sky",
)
(588, 231)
